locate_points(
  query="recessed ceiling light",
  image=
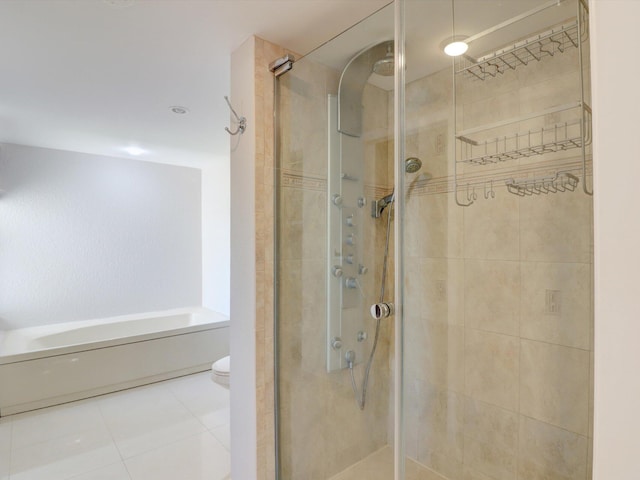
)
(455, 46)
(136, 151)
(178, 110)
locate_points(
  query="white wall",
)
(215, 235)
(85, 236)
(616, 95)
(243, 269)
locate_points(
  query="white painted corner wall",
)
(216, 241)
(616, 106)
(86, 236)
(243, 268)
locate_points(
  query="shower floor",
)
(379, 466)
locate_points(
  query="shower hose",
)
(361, 397)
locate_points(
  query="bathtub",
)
(53, 364)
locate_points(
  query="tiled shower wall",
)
(265, 53)
(499, 335)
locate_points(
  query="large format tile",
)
(223, 435)
(491, 440)
(557, 228)
(433, 227)
(569, 322)
(491, 229)
(439, 289)
(548, 452)
(440, 434)
(205, 399)
(64, 457)
(5, 433)
(116, 471)
(146, 419)
(492, 368)
(5, 447)
(50, 423)
(199, 457)
(377, 466)
(492, 295)
(72, 441)
(554, 385)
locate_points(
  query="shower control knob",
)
(362, 269)
(362, 202)
(336, 343)
(349, 221)
(337, 199)
(362, 336)
(351, 282)
(382, 310)
(337, 271)
(351, 239)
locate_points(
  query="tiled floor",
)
(379, 466)
(173, 430)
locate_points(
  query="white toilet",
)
(221, 371)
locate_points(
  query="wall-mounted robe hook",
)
(242, 121)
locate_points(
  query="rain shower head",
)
(385, 66)
(412, 165)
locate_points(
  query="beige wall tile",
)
(440, 440)
(434, 289)
(491, 109)
(491, 368)
(303, 224)
(490, 440)
(556, 228)
(571, 284)
(433, 227)
(554, 385)
(492, 295)
(491, 229)
(549, 453)
(435, 354)
(473, 474)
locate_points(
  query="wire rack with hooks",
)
(550, 131)
(558, 137)
(560, 182)
(533, 49)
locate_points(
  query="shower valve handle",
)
(382, 310)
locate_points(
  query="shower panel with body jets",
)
(345, 211)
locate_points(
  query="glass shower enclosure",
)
(434, 228)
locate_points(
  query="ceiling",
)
(97, 76)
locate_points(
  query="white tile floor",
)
(173, 430)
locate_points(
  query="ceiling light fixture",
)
(135, 151)
(455, 46)
(178, 110)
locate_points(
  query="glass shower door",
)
(334, 158)
(497, 250)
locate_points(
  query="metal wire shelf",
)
(539, 141)
(535, 48)
(560, 182)
(551, 131)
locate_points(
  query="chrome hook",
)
(242, 121)
(471, 196)
(491, 193)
